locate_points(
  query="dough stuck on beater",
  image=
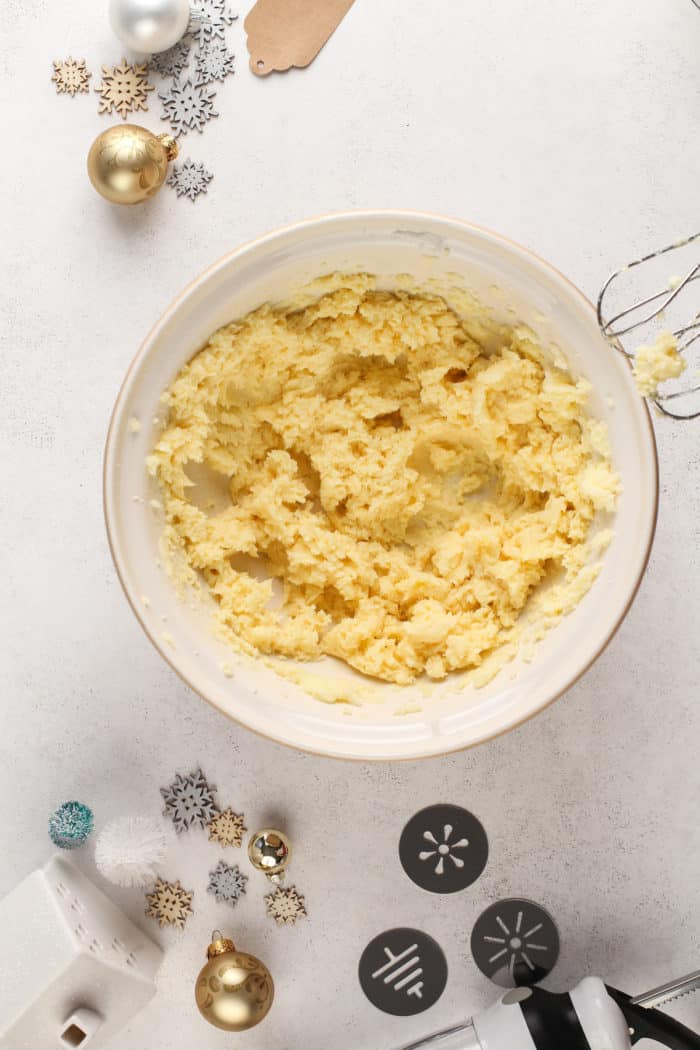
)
(654, 364)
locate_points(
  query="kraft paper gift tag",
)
(284, 33)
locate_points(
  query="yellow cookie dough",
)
(656, 363)
(373, 477)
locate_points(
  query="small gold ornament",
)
(270, 852)
(234, 990)
(128, 164)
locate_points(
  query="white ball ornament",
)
(149, 26)
(129, 851)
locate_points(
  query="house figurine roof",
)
(81, 969)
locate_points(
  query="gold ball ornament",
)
(127, 164)
(234, 990)
(270, 852)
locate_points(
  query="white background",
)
(570, 126)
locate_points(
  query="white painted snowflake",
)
(213, 62)
(187, 106)
(189, 179)
(285, 906)
(209, 19)
(171, 63)
(189, 801)
(227, 883)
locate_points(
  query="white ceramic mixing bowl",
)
(271, 268)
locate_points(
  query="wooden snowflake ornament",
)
(171, 63)
(188, 105)
(70, 76)
(285, 906)
(209, 20)
(169, 904)
(213, 62)
(124, 89)
(227, 828)
(189, 801)
(227, 883)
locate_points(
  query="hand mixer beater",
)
(653, 305)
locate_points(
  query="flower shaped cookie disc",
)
(443, 848)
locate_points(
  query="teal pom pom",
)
(70, 825)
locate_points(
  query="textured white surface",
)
(570, 127)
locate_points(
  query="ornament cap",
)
(219, 945)
(169, 145)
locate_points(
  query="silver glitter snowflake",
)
(213, 62)
(189, 801)
(189, 179)
(227, 883)
(171, 63)
(209, 19)
(188, 105)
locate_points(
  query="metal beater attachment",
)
(651, 306)
(646, 1021)
(666, 993)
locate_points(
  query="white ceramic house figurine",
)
(75, 970)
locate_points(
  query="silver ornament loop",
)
(149, 26)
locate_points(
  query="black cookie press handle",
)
(653, 1024)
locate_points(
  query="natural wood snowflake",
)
(70, 76)
(285, 906)
(227, 828)
(124, 88)
(169, 903)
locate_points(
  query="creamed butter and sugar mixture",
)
(410, 477)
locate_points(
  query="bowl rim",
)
(323, 219)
